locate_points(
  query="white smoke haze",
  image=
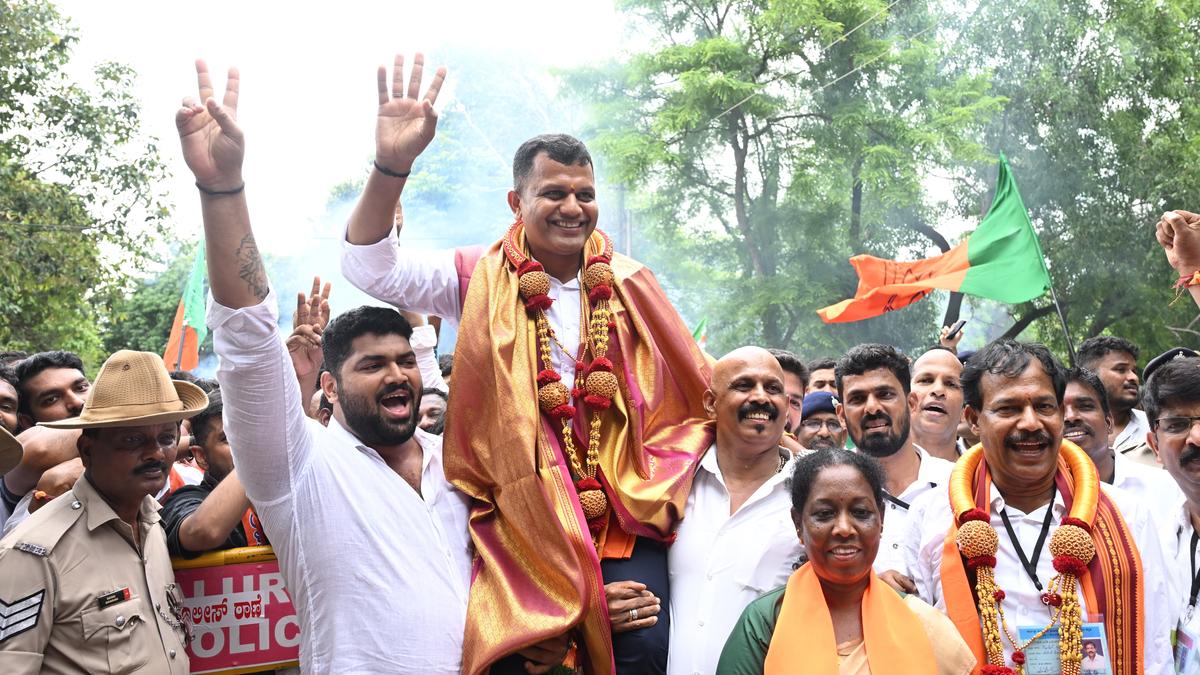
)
(308, 104)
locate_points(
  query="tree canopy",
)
(81, 208)
(765, 142)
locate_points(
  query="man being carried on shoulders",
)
(573, 356)
(1025, 538)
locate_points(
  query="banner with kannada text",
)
(239, 612)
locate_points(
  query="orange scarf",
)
(803, 641)
(1112, 585)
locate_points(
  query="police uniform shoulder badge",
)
(18, 616)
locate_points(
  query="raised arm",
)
(404, 126)
(213, 148)
(304, 344)
(1178, 232)
(264, 417)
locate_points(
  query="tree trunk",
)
(1023, 323)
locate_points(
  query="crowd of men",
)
(593, 491)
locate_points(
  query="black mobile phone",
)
(956, 328)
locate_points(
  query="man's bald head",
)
(747, 399)
(744, 357)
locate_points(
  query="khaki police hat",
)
(10, 451)
(134, 389)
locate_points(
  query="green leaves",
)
(81, 209)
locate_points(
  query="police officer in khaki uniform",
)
(86, 584)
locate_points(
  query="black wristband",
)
(219, 193)
(388, 172)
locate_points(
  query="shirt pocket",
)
(122, 631)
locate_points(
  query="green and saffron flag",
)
(1001, 260)
(189, 329)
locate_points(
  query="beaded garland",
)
(1072, 548)
(595, 382)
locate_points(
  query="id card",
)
(1187, 651)
(1041, 658)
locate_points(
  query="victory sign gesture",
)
(212, 141)
(405, 123)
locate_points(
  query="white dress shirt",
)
(1151, 486)
(378, 573)
(1176, 536)
(1134, 433)
(933, 474)
(720, 563)
(931, 517)
(427, 282)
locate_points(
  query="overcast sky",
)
(308, 77)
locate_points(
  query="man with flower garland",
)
(1027, 539)
(576, 415)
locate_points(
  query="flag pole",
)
(1062, 319)
(183, 339)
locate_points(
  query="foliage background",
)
(746, 149)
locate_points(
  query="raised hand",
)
(212, 141)
(1178, 232)
(405, 124)
(310, 319)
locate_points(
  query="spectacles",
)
(1176, 426)
(813, 426)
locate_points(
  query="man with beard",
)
(371, 538)
(1114, 359)
(936, 402)
(1172, 400)
(86, 583)
(1086, 421)
(1024, 537)
(216, 514)
(873, 384)
(820, 426)
(573, 355)
(738, 510)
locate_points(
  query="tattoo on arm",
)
(250, 267)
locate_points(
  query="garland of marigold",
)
(1072, 548)
(595, 382)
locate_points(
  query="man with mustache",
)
(1024, 536)
(737, 540)
(1086, 422)
(1114, 359)
(572, 354)
(1172, 400)
(371, 539)
(85, 582)
(873, 383)
(936, 402)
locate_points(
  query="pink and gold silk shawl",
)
(537, 573)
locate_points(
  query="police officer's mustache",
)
(152, 465)
(1190, 453)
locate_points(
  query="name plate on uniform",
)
(239, 613)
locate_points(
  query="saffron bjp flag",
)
(188, 330)
(1001, 260)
